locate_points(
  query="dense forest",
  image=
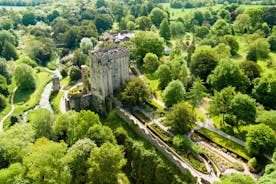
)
(203, 82)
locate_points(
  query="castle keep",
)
(109, 70)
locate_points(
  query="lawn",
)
(25, 100)
(225, 143)
(55, 101)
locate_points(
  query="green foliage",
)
(180, 117)
(223, 51)
(76, 158)
(103, 22)
(9, 51)
(242, 23)
(221, 101)
(270, 172)
(3, 102)
(147, 42)
(27, 61)
(236, 178)
(28, 18)
(157, 15)
(24, 77)
(105, 163)
(202, 31)
(197, 92)
(86, 45)
(269, 16)
(101, 134)
(182, 142)
(260, 140)
(4, 70)
(74, 73)
(42, 121)
(79, 58)
(165, 30)
(243, 107)
(232, 42)
(150, 62)
(144, 23)
(272, 42)
(204, 60)
(72, 125)
(221, 27)
(10, 174)
(135, 93)
(268, 118)
(251, 69)
(15, 140)
(228, 73)
(3, 86)
(174, 93)
(261, 47)
(177, 29)
(164, 74)
(45, 162)
(264, 91)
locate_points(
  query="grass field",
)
(225, 143)
(55, 101)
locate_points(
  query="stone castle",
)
(109, 71)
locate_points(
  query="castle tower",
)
(56, 83)
(109, 70)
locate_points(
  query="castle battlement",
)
(109, 54)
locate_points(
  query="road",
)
(11, 111)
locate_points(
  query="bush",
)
(3, 102)
(27, 61)
(272, 42)
(64, 72)
(252, 163)
(75, 73)
(24, 77)
(157, 130)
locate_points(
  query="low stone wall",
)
(153, 139)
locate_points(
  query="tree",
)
(267, 117)
(135, 93)
(260, 140)
(261, 46)
(221, 101)
(236, 178)
(79, 58)
(101, 134)
(165, 30)
(221, 28)
(184, 74)
(251, 69)
(9, 51)
(70, 37)
(164, 74)
(204, 60)
(86, 45)
(74, 73)
(3, 86)
(197, 92)
(177, 29)
(150, 62)
(202, 31)
(105, 163)
(24, 77)
(255, 16)
(242, 23)
(269, 16)
(270, 172)
(232, 42)
(15, 140)
(11, 174)
(223, 51)
(252, 54)
(103, 22)
(264, 91)
(174, 93)
(4, 70)
(45, 164)
(228, 73)
(144, 23)
(76, 158)
(3, 102)
(157, 15)
(147, 42)
(272, 42)
(28, 18)
(243, 108)
(42, 121)
(180, 117)
(73, 126)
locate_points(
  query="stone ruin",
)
(109, 71)
(56, 83)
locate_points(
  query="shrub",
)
(3, 102)
(75, 73)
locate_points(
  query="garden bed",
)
(224, 142)
(157, 130)
(141, 116)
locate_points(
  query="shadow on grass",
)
(21, 96)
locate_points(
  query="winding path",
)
(11, 111)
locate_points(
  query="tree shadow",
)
(21, 95)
